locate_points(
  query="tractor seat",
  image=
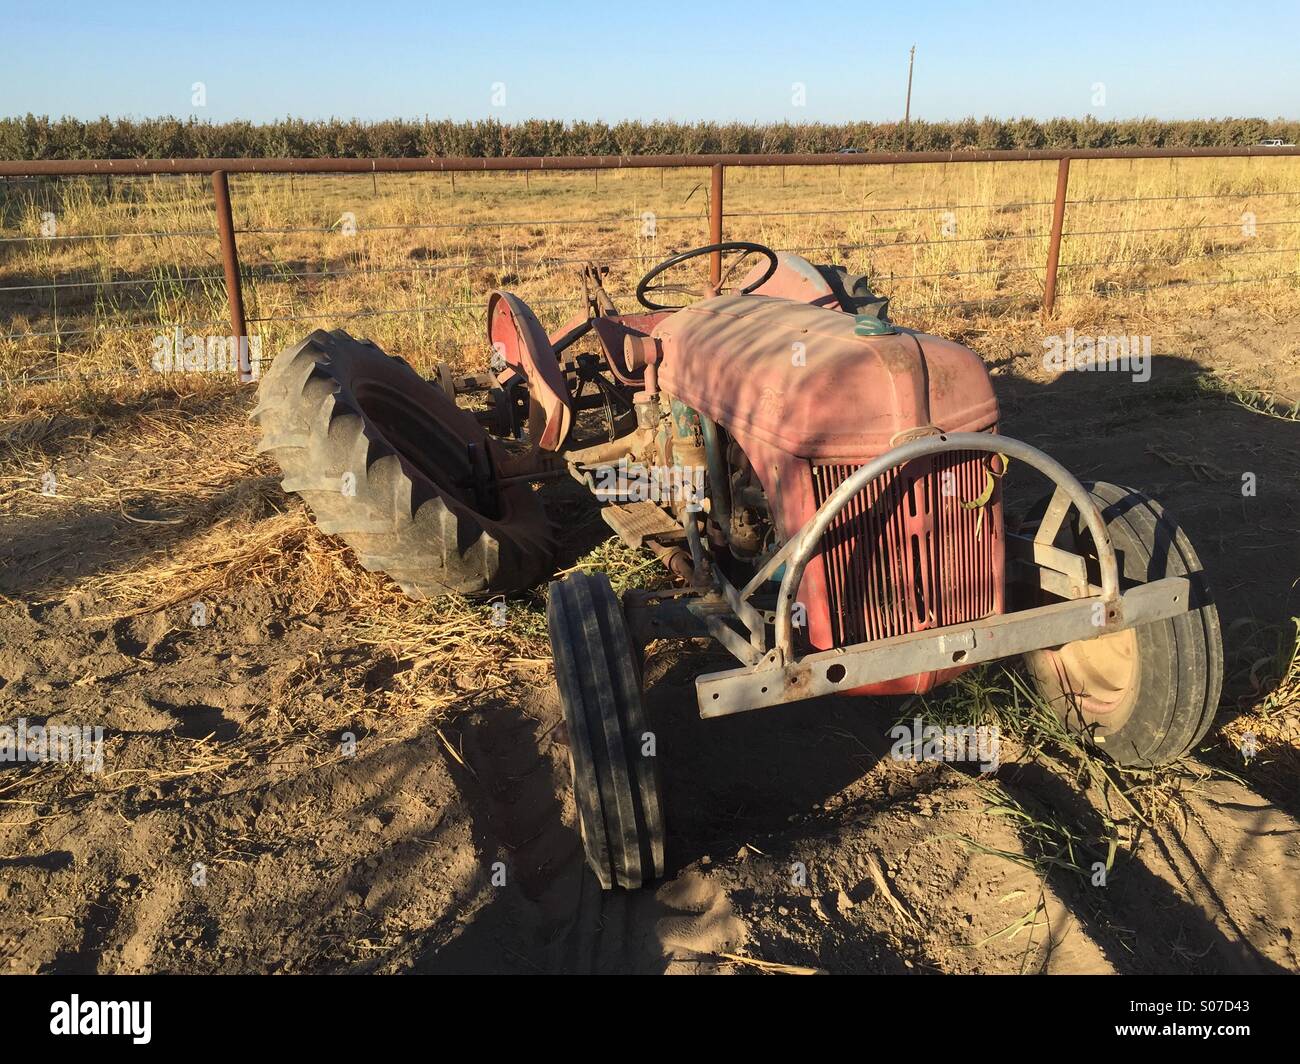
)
(518, 337)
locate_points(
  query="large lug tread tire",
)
(386, 484)
(1178, 669)
(615, 785)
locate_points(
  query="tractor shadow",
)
(546, 912)
(1197, 452)
(1138, 919)
(44, 553)
(49, 545)
(731, 780)
(68, 433)
(1228, 475)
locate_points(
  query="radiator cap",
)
(867, 325)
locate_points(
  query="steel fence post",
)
(1054, 242)
(715, 223)
(230, 266)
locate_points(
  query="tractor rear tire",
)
(615, 782)
(390, 464)
(1148, 695)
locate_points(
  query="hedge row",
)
(40, 137)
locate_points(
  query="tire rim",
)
(425, 444)
(1098, 675)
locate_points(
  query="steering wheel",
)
(743, 246)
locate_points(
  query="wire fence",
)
(38, 327)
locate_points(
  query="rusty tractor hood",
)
(802, 379)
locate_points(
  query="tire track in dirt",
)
(553, 915)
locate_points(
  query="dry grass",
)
(456, 647)
(936, 234)
(286, 553)
(1266, 732)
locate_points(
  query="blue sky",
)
(661, 59)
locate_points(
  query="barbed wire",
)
(630, 219)
(204, 204)
(1269, 278)
(1007, 298)
(157, 327)
(272, 274)
(479, 308)
(1172, 228)
(440, 308)
(276, 275)
(1014, 297)
(1157, 259)
(124, 235)
(842, 246)
(515, 224)
(1196, 196)
(60, 285)
(866, 209)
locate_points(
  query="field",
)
(234, 826)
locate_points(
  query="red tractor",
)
(826, 487)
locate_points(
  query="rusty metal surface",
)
(671, 613)
(620, 341)
(1072, 568)
(802, 379)
(794, 278)
(37, 167)
(794, 383)
(636, 522)
(1054, 241)
(230, 267)
(771, 683)
(515, 332)
(909, 553)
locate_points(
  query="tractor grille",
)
(904, 556)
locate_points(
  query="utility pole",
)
(907, 111)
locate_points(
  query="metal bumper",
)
(772, 682)
(775, 675)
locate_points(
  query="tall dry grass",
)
(957, 246)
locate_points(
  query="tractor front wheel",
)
(1145, 695)
(611, 750)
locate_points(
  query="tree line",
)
(42, 137)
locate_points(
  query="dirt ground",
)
(233, 828)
